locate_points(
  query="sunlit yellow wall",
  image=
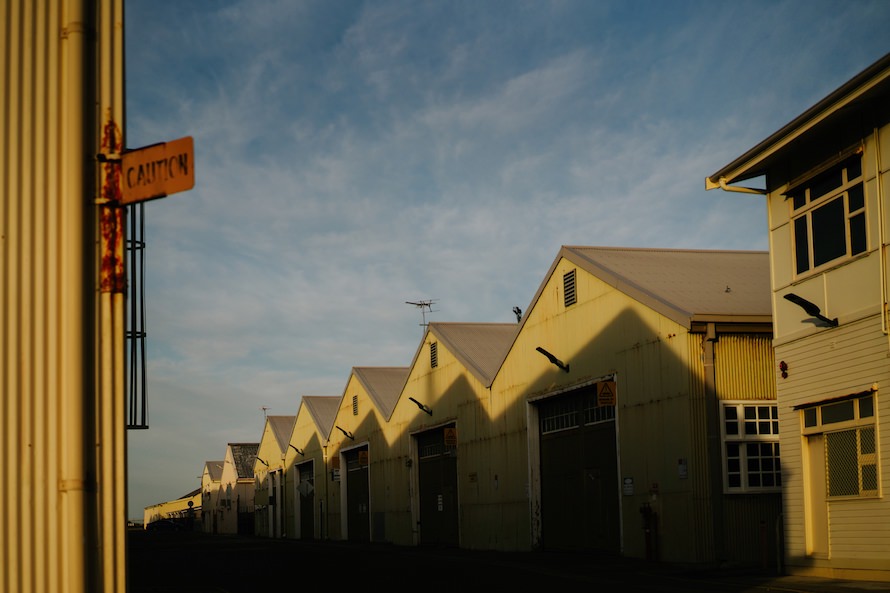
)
(657, 366)
(174, 509)
(267, 522)
(209, 501)
(365, 423)
(825, 363)
(233, 489)
(307, 437)
(607, 334)
(489, 444)
(63, 490)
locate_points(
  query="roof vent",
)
(568, 285)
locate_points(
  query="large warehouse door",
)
(437, 475)
(358, 525)
(579, 472)
(306, 489)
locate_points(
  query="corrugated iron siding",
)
(62, 472)
(745, 370)
(744, 367)
(746, 524)
(703, 536)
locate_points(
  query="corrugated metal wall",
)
(62, 466)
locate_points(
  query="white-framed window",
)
(851, 453)
(750, 431)
(828, 216)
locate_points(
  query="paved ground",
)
(174, 562)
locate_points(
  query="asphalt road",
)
(173, 562)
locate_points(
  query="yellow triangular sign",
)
(605, 393)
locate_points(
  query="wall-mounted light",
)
(295, 449)
(345, 433)
(811, 309)
(423, 407)
(553, 359)
(263, 462)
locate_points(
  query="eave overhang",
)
(868, 87)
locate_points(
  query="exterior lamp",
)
(553, 359)
(423, 407)
(811, 308)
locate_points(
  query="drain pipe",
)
(882, 254)
(715, 445)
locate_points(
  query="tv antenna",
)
(424, 306)
(264, 408)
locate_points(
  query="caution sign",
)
(450, 436)
(158, 170)
(605, 393)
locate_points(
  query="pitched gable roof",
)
(683, 285)
(281, 427)
(383, 384)
(214, 469)
(323, 410)
(244, 457)
(480, 347)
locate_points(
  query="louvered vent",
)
(568, 285)
(355, 405)
(434, 354)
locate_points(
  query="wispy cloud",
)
(352, 156)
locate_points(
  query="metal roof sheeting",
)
(684, 285)
(383, 384)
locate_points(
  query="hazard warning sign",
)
(605, 393)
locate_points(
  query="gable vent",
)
(434, 354)
(355, 405)
(568, 285)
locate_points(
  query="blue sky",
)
(352, 156)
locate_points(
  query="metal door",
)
(437, 476)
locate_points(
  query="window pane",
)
(837, 412)
(734, 480)
(730, 412)
(856, 198)
(869, 477)
(854, 168)
(858, 242)
(867, 440)
(843, 464)
(801, 244)
(829, 232)
(809, 417)
(750, 413)
(798, 199)
(825, 183)
(750, 428)
(866, 407)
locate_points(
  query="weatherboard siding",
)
(836, 362)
